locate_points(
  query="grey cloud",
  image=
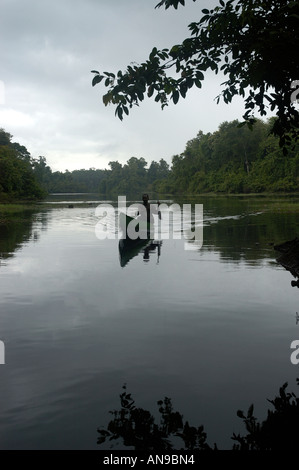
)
(50, 47)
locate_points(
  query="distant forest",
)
(233, 159)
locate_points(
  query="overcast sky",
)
(48, 49)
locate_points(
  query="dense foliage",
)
(130, 178)
(233, 160)
(133, 177)
(252, 42)
(137, 428)
(77, 181)
(17, 178)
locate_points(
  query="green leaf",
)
(204, 18)
(183, 90)
(199, 75)
(189, 82)
(250, 411)
(175, 96)
(95, 71)
(154, 52)
(168, 88)
(97, 79)
(140, 95)
(205, 11)
(175, 49)
(107, 99)
(150, 91)
(119, 112)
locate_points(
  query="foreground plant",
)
(252, 42)
(137, 428)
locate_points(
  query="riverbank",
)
(16, 211)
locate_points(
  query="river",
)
(208, 323)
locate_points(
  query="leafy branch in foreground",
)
(252, 42)
(280, 429)
(137, 428)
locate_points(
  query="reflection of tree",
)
(279, 431)
(289, 258)
(17, 228)
(243, 230)
(137, 427)
(12, 235)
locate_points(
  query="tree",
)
(238, 145)
(42, 172)
(5, 137)
(233, 159)
(153, 171)
(158, 170)
(252, 42)
(17, 179)
(21, 152)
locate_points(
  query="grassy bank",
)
(15, 211)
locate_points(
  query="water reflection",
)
(214, 336)
(128, 249)
(17, 230)
(137, 428)
(289, 258)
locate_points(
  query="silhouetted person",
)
(150, 211)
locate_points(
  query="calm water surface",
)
(209, 326)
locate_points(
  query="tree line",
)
(25, 177)
(17, 178)
(131, 178)
(233, 159)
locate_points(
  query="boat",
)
(143, 227)
(130, 247)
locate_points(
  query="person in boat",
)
(149, 209)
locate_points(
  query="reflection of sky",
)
(212, 333)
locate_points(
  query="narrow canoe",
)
(143, 226)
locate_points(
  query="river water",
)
(208, 323)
